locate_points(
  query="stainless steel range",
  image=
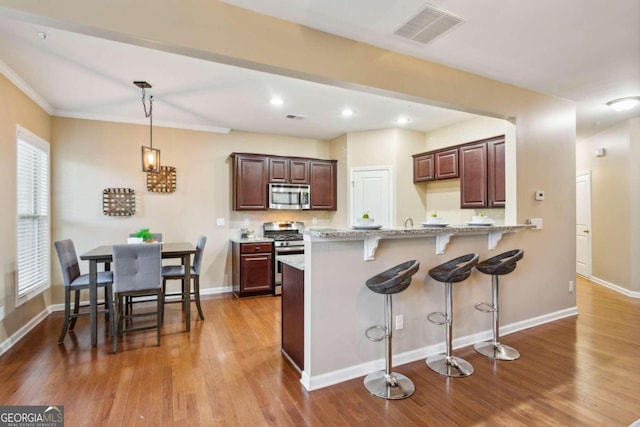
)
(287, 236)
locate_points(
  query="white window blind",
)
(33, 215)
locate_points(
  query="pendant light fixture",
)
(150, 155)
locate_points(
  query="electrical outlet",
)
(399, 322)
(570, 286)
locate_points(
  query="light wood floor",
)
(580, 371)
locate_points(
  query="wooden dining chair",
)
(176, 272)
(75, 282)
(137, 271)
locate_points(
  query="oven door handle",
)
(286, 249)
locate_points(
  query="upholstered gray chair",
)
(136, 272)
(176, 272)
(74, 282)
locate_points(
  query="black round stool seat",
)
(501, 264)
(394, 280)
(456, 270)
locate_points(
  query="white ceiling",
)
(587, 51)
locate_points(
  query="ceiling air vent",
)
(296, 117)
(428, 25)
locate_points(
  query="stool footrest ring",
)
(485, 306)
(375, 338)
(438, 318)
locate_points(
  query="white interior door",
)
(371, 192)
(583, 224)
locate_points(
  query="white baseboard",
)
(331, 378)
(23, 331)
(616, 288)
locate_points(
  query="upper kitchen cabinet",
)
(435, 165)
(423, 169)
(252, 174)
(446, 162)
(482, 182)
(250, 181)
(288, 171)
(495, 177)
(323, 183)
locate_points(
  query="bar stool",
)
(499, 265)
(450, 272)
(386, 384)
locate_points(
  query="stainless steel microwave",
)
(289, 196)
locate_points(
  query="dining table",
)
(104, 255)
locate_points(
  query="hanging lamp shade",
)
(150, 159)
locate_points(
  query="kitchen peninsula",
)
(338, 308)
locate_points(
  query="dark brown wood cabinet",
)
(446, 164)
(252, 174)
(482, 176)
(473, 176)
(293, 314)
(423, 168)
(252, 268)
(250, 182)
(435, 165)
(496, 174)
(288, 171)
(323, 183)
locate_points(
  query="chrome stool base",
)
(450, 366)
(496, 351)
(394, 386)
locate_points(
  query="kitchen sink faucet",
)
(407, 221)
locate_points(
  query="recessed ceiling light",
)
(42, 35)
(276, 101)
(624, 104)
(347, 112)
(402, 120)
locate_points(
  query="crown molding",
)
(21, 84)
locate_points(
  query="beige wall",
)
(89, 156)
(615, 208)
(392, 148)
(15, 109)
(545, 133)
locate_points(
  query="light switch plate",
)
(220, 221)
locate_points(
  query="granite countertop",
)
(251, 240)
(328, 233)
(295, 261)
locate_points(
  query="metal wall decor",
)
(118, 202)
(163, 181)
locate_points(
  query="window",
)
(32, 199)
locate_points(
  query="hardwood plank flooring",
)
(228, 371)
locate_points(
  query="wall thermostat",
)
(539, 195)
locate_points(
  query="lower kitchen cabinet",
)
(293, 314)
(252, 268)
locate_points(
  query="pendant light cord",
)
(149, 115)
